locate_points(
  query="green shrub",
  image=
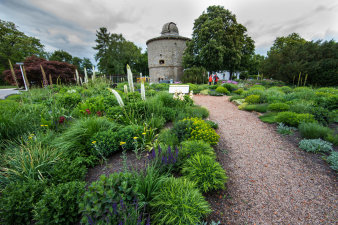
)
(258, 108)
(301, 106)
(76, 140)
(286, 89)
(230, 87)
(197, 111)
(127, 134)
(67, 170)
(213, 87)
(104, 143)
(278, 107)
(69, 99)
(235, 97)
(273, 95)
(193, 147)
(182, 129)
(212, 124)
(18, 200)
(204, 92)
(239, 91)
(285, 130)
(293, 119)
(194, 75)
(178, 201)
(333, 138)
(205, 171)
(313, 130)
(333, 160)
(29, 160)
(252, 99)
(59, 204)
(268, 117)
(17, 119)
(105, 198)
(315, 145)
(200, 130)
(222, 90)
(157, 122)
(168, 137)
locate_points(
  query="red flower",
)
(62, 119)
(88, 111)
(99, 113)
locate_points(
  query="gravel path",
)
(6, 92)
(271, 181)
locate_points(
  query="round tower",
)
(165, 54)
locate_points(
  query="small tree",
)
(58, 70)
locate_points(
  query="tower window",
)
(161, 61)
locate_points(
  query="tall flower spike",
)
(118, 97)
(143, 91)
(93, 76)
(130, 79)
(77, 77)
(125, 87)
(86, 75)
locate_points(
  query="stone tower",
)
(165, 54)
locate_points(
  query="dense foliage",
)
(294, 60)
(219, 42)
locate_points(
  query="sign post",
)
(23, 75)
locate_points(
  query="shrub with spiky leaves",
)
(205, 171)
(333, 160)
(178, 202)
(315, 145)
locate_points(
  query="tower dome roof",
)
(169, 29)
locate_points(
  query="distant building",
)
(165, 54)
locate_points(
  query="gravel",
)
(271, 181)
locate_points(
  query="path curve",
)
(271, 181)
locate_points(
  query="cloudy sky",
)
(71, 24)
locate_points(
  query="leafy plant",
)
(190, 148)
(252, 99)
(278, 107)
(200, 130)
(168, 137)
(222, 90)
(17, 201)
(178, 201)
(205, 171)
(333, 160)
(59, 204)
(293, 119)
(212, 124)
(104, 143)
(285, 130)
(258, 108)
(313, 130)
(315, 145)
(182, 129)
(29, 160)
(231, 87)
(269, 117)
(67, 170)
(106, 198)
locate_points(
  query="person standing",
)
(215, 79)
(210, 79)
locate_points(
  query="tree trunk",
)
(230, 77)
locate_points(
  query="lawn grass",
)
(7, 87)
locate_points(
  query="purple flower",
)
(90, 221)
(139, 220)
(121, 203)
(164, 159)
(115, 208)
(176, 152)
(120, 223)
(153, 153)
(148, 220)
(159, 150)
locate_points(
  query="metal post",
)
(23, 76)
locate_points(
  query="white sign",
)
(179, 88)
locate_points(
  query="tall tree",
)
(61, 56)
(114, 52)
(16, 46)
(218, 42)
(291, 55)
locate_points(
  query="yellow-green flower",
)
(122, 143)
(42, 125)
(30, 137)
(144, 133)
(135, 138)
(93, 142)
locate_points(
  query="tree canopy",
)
(219, 42)
(291, 55)
(16, 46)
(114, 52)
